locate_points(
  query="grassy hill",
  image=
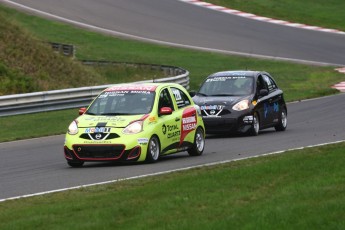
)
(28, 64)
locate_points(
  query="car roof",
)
(247, 73)
(141, 86)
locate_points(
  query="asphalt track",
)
(178, 23)
(38, 165)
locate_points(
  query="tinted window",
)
(270, 83)
(165, 99)
(181, 98)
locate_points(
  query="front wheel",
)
(254, 131)
(282, 121)
(153, 150)
(199, 143)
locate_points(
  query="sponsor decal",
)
(212, 107)
(212, 110)
(143, 141)
(104, 119)
(271, 108)
(177, 94)
(224, 78)
(98, 130)
(115, 93)
(171, 131)
(132, 88)
(164, 129)
(189, 122)
(152, 119)
(97, 142)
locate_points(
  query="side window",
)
(261, 84)
(182, 99)
(271, 86)
(165, 99)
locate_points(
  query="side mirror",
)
(263, 92)
(82, 111)
(192, 93)
(165, 111)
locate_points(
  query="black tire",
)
(254, 131)
(75, 164)
(153, 150)
(282, 121)
(199, 143)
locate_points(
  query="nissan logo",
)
(212, 112)
(98, 136)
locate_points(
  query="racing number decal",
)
(188, 123)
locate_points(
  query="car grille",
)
(220, 125)
(210, 112)
(101, 136)
(99, 151)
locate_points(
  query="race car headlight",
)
(73, 128)
(133, 128)
(242, 105)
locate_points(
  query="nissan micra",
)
(136, 122)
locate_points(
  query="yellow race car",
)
(136, 122)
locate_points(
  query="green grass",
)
(28, 64)
(329, 14)
(301, 189)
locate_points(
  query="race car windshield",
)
(126, 102)
(227, 86)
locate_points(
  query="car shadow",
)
(239, 135)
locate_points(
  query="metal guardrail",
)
(76, 97)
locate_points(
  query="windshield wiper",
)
(221, 95)
(114, 114)
(202, 94)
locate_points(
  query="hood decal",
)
(107, 121)
(101, 124)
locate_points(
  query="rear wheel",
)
(254, 131)
(75, 164)
(153, 150)
(282, 121)
(199, 143)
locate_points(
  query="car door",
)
(271, 102)
(188, 115)
(263, 105)
(275, 99)
(169, 124)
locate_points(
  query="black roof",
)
(246, 73)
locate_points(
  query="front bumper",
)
(214, 125)
(101, 153)
(111, 148)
